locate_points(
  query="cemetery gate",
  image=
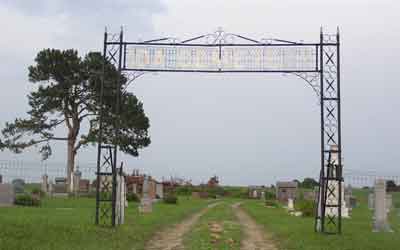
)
(318, 64)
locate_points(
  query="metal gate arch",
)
(317, 63)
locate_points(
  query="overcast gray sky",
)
(247, 129)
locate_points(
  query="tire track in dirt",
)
(172, 237)
(255, 238)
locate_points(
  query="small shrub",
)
(184, 190)
(171, 199)
(27, 200)
(38, 192)
(271, 203)
(132, 197)
(307, 208)
(269, 195)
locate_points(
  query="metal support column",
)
(329, 205)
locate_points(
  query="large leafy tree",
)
(67, 95)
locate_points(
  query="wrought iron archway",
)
(220, 52)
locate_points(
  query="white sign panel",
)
(225, 58)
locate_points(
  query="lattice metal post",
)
(329, 214)
(107, 153)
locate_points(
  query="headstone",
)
(353, 202)
(84, 186)
(371, 201)
(160, 190)
(19, 185)
(389, 202)
(380, 207)
(60, 186)
(121, 200)
(348, 193)
(146, 204)
(50, 187)
(134, 188)
(290, 205)
(76, 180)
(45, 183)
(7, 195)
(60, 180)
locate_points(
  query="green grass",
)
(68, 223)
(199, 238)
(296, 233)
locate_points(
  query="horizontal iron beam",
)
(222, 71)
(224, 45)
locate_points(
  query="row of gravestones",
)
(60, 187)
(8, 191)
(288, 191)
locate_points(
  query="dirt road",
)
(255, 237)
(172, 238)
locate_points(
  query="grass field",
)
(201, 236)
(66, 224)
(295, 233)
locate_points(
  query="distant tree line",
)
(308, 183)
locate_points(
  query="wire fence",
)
(358, 178)
(32, 172)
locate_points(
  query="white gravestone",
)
(290, 205)
(160, 190)
(380, 207)
(45, 183)
(146, 204)
(121, 199)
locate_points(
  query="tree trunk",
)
(70, 164)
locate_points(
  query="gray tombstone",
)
(348, 194)
(381, 223)
(45, 183)
(353, 202)
(146, 204)
(76, 181)
(371, 201)
(7, 195)
(60, 186)
(19, 185)
(389, 202)
(60, 180)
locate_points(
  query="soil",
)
(172, 237)
(255, 237)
